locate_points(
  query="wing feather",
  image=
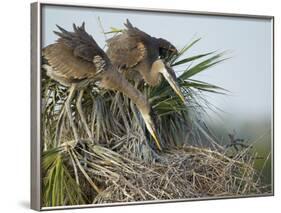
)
(72, 56)
(66, 65)
(128, 49)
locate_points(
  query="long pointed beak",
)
(152, 130)
(173, 83)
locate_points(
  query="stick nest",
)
(179, 173)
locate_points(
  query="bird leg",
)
(136, 84)
(134, 112)
(133, 106)
(81, 113)
(59, 126)
(69, 113)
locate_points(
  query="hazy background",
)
(247, 75)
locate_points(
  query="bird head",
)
(166, 48)
(168, 73)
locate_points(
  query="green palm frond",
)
(113, 30)
(174, 57)
(60, 188)
(202, 66)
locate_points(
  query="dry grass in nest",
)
(179, 173)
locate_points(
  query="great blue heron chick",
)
(140, 56)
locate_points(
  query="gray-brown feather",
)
(131, 47)
(72, 57)
(67, 68)
(82, 43)
(125, 51)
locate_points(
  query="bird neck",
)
(154, 74)
(150, 72)
(115, 81)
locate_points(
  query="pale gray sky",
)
(247, 74)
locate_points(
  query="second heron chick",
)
(140, 56)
